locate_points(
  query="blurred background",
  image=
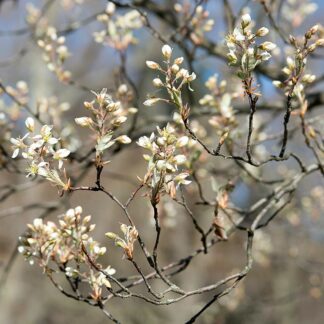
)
(287, 280)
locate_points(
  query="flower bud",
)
(191, 77)
(167, 51)
(175, 68)
(111, 235)
(312, 48)
(110, 9)
(178, 60)
(268, 46)
(84, 121)
(308, 78)
(124, 139)
(157, 82)
(122, 89)
(246, 20)
(30, 124)
(182, 141)
(151, 102)
(320, 42)
(232, 57)
(277, 84)
(314, 29)
(262, 32)
(152, 65)
(292, 40)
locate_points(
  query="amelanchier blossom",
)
(295, 68)
(164, 160)
(245, 52)
(220, 99)
(174, 78)
(126, 243)
(67, 247)
(41, 152)
(55, 53)
(119, 29)
(198, 22)
(107, 116)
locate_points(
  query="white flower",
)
(46, 136)
(239, 37)
(18, 143)
(42, 169)
(181, 178)
(38, 223)
(145, 142)
(265, 56)
(30, 124)
(109, 270)
(60, 155)
(191, 77)
(21, 249)
(32, 170)
(167, 51)
(180, 159)
(182, 141)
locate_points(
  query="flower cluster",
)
(107, 116)
(40, 151)
(163, 162)
(198, 22)
(294, 12)
(36, 19)
(119, 31)
(297, 79)
(19, 92)
(127, 243)
(175, 78)
(67, 247)
(244, 53)
(220, 99)
(55, 53)
(53, 112)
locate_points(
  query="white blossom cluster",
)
(220, 99)
(107, 116)
(67, 246)
(119, 29)
(41, 153)
(199, 21)
(297, 79)
(244, 52)
(174, 78)
(127, 243)
(55, 53)
(163, 173)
